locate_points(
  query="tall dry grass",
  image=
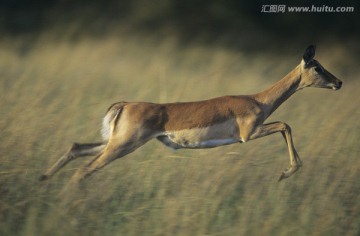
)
(55, 92)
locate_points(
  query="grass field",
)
(55, 92)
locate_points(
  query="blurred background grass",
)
(62, 63)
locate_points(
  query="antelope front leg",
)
(298, 160)
(267, 129)
(76, 150)
(295, 161)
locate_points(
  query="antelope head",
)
(314, 74)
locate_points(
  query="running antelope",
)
(202, 124)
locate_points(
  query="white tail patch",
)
(110, 119)
(106, 127)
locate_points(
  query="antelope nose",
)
(339, 84)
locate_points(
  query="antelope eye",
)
(318, 69)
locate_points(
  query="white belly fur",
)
(208, 137)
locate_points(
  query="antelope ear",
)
(309, 54)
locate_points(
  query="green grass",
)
(55, 92)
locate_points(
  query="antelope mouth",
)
(337, 86)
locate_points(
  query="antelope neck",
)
(271, 98)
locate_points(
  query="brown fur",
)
(166, 117)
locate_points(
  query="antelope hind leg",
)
(76, 150)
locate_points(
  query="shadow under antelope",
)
(201, 124)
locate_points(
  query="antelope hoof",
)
(43, 177)
(288, 172)
(299, 162)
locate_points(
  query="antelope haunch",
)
(202, 124)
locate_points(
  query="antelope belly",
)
(207, 137)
